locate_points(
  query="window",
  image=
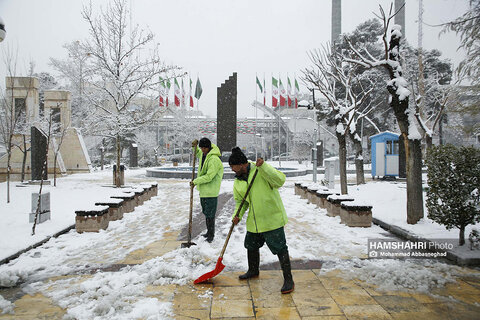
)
(392, 147)
(56, 117)
(20, 109)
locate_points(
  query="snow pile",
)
(392, 274)
(6, 306)
(105, 296)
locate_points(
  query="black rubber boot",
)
(288, 284)
(205, 235)
(210, 229)
(253, 265)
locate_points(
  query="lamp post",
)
(3, 33)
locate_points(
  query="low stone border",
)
(129, 201)
(322, 196)
(355, 214)
(91, 219)
(407, 235)
(115, 208)
(333, 203)
(35, 245)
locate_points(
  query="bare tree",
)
(13, 112)
(399, 104)
(336, 80)
(126, 68)
(47, 127)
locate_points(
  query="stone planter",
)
(154, 189)
(356, 214)
(139, 199)
(148, 191)
(129, 201)
(115, 208)
(312, 193)
(298, 188)
(303, 192)
(334, 202)
(322, 196)
(91, 219)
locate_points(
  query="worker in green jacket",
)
(209, 178)
(266, 214)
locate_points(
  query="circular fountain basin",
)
(186, 172)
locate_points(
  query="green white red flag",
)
(162, 90)
(282, 95)
(274, 92)
(190, 94)
(176, 89)
(297, 91)
(289, 92)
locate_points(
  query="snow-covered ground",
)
(311, 235)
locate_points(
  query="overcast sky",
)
(214, 38)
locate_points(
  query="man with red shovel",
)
(266, 214)
(210, 174)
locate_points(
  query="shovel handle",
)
(191, 195)
(238, 213)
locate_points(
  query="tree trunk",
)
(8, 172)
(55, 169)
(24, 160)
(413, 156)
(428, 142)
(360, 174)
(117, 172)
(342, 154)
(461, 239)
(414, 181)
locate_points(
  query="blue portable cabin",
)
(385, 154)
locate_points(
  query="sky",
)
(214, 38)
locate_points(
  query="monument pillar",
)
(227, 114)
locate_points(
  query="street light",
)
(3, 33)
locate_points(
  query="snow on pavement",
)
(311, 235)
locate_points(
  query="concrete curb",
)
(38, 244)
(407, 235)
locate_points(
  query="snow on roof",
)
(384, 132)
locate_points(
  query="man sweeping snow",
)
(266, 214)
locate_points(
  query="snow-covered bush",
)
(474, 239)
(453, 198)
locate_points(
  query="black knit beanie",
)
(237, 157)
(205, 143)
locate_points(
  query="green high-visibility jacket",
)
(265, 207)
(210, 175)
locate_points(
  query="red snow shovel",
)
(189, 243)
(220, 266)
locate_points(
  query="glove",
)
(192, 184)
(195, 143)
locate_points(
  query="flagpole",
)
(271, 127)
(295, 106)
(279, 145)
(255, 127)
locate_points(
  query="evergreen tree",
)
(453, 196)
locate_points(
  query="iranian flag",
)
(183, 95)
(289, 92)
(264, 92)
(282, 95)
(162, 93)
(168, 91)
(297, 91)
(176, 89)
(274, 92)
(190, 94)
